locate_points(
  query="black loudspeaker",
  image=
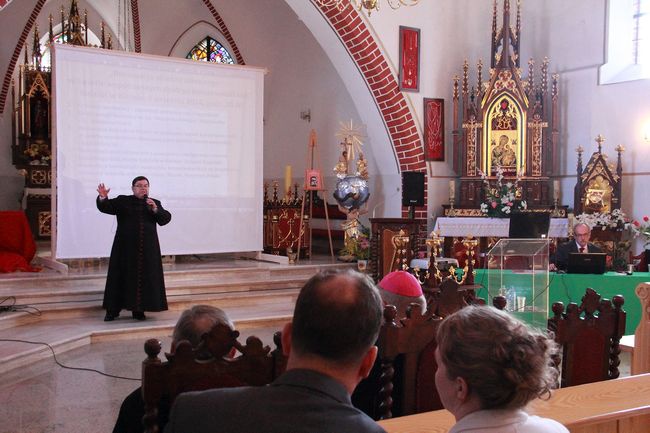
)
(412, 188)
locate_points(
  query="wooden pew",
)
(612, 406)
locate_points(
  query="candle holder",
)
(451, 211)
(434, 245)
(470, 243)
(422, 277)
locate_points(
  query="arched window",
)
(210, 50)
(628, 41)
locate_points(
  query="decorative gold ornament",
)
(351, 146)
(367, 5)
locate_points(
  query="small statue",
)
(341, 168)
(362, 167)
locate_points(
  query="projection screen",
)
(194, 129)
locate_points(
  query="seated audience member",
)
(490, 365)
(330, 348)
(192, 324)
(401, 289)
(579, 244)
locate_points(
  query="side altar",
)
(31, 116)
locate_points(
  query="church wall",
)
(300, 77)
(307, 70)
(572, 35)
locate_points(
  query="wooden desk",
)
(616, 406)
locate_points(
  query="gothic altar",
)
(505, 124)
(31, 118)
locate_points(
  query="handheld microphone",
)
(145, 197)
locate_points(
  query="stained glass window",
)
(210, 50)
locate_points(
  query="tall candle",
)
(287, 180)
(452, 188)
(556, 189)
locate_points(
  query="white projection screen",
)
(194, 129)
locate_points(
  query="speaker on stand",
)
(412, 190)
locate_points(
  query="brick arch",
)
(6, 83)
(224, 30)
(395, 112)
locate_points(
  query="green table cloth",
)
(571, 287)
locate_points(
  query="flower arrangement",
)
(501, 198)
(614, 219)
(357, 247)
(38, 153)
(642, 228)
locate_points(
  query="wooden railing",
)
(613, 406)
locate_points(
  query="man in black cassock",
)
(135, 275)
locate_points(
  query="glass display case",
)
(518, 270)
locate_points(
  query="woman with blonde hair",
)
(490, 365)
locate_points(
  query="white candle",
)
(287, 181)
(452, 188)
(556, 189)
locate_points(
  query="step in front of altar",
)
(60, 297)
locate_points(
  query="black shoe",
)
(139, 315)
(111, 316)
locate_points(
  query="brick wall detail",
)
(224, 30)
(6, 82)
(396, 114)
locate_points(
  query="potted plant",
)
(357, 248)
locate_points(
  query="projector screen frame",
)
(254, 173)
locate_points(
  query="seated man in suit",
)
(330, 346)
(191, 326)
(579, 244)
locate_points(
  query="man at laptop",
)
(579, 244)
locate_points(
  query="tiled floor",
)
(45, 397)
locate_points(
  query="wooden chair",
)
(450, 297)
(641, 354)
(402, 381)
(206, 367)
(401, 344)
(589, 335)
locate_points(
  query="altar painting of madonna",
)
(504, 141)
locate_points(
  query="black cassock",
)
(135, 275)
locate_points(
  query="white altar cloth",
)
(483, 227)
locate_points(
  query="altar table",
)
(498, 227)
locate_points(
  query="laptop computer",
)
(586, 263)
